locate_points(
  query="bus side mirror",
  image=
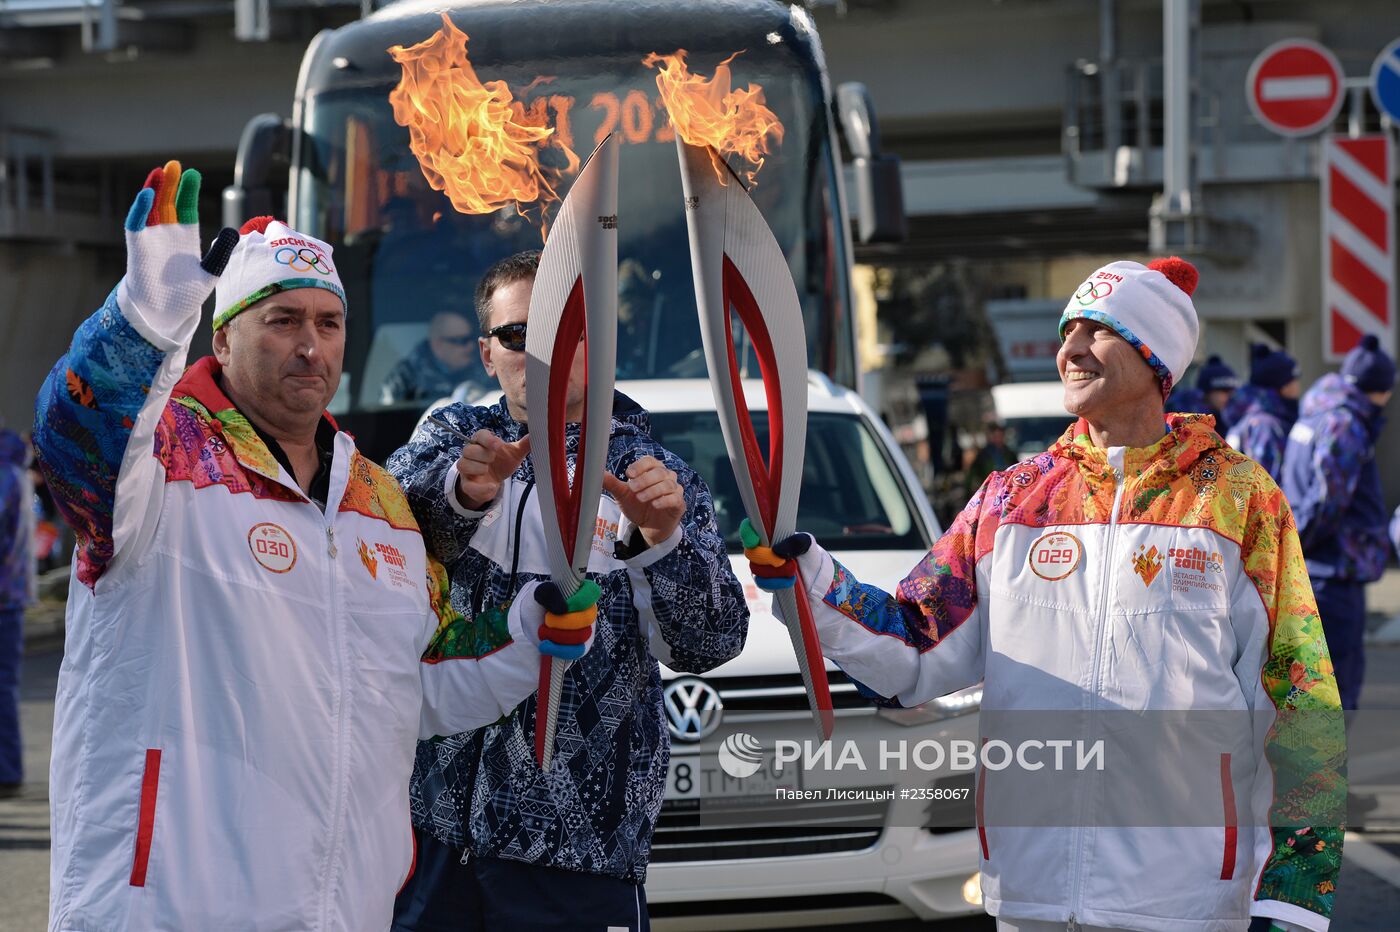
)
(879, 191)
(260, 173)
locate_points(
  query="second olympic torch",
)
(574, 301)
(738, 264)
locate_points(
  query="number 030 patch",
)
(1056, 555)
(272, 547)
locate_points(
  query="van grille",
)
(739, 829)
(783, 692)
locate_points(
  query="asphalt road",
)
(1368, 891)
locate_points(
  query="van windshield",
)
(1030, 436)
(852, 497)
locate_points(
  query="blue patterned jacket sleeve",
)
(1262, 439)
(690, 597)
(1339, 445)
(422, 467)
(86, 417)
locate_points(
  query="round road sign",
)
(1295, 87)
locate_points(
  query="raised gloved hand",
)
(563, 627)
(166, 280)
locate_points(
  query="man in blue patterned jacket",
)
(1332, 480)
(567, 848)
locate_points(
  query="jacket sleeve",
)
(1268, 443)
(926, 640)
(1302, 739)
(95, 422)
(689, 603)
(474, 670)
(1262, 439)
(426, 469)
(1338, 446)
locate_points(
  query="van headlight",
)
(972, 890)
(936, 710)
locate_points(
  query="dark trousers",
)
(1342, 605)
(489, 894)
(11, 649)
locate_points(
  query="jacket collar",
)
(1187, 439)
(200, 385)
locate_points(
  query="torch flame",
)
(474, 141)
(710, 113)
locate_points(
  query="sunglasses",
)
(465, 340)
(512, 336)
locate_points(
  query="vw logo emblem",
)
(693, 708)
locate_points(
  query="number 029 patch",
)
(272, 547)
(1054, 556)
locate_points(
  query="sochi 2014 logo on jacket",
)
(1195, 569)
(1147, 563)
(384, 561)
(1055, 555)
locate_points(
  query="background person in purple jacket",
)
(1261, 431)
(16, 591)
(1332, 481)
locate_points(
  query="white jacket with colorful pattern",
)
(1127, 582)
(241, 690)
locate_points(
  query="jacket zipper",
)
(1115, 462)
(339, 772)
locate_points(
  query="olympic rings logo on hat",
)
(303, 260)
(1092, 291)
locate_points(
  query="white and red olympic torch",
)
(574, 298)
(738, 264)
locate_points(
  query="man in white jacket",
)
(256, 637)
(1141, 582)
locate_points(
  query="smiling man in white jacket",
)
(256, 637)
(1145, 579)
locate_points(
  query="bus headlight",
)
(944, 707)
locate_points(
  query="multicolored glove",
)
(775, 567)
(166, 280)
(567, 630)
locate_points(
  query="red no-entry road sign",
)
(1295, 87)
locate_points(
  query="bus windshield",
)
(410, 262)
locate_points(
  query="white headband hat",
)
(271, 257)
(1147, 305)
